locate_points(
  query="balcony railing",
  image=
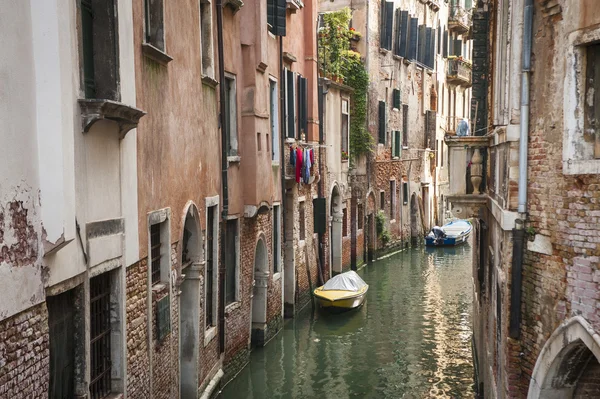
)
(459, 20)
(459, 71)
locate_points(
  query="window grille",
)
(100, 359)
(155, 252)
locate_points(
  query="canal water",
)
(411, 339)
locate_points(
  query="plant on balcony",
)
(334, 39)
(344, 155)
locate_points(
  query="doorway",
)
(335, 232)
(259, 293)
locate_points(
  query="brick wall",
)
(306, 273)
(25, 354)
(138, 363)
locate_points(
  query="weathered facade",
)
(536, 258)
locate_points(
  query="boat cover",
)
(349, 281)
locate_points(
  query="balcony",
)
(459, 71)
(466, 161)
(459, 20)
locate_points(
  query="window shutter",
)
(397, 32)
(382, 121)
(291, 114)
(397, 146)
(427, 50)
(402, 46)
(389, 24)
(320, 215)
(300, 105)
(271, 13)
(458, 47)
(304, 104)
(382, 24)
(280, 9)
(445, 45)
(439, 43)
(432, 50)
(412, 49)
(396, 98)
(421, 44)
(405, 125)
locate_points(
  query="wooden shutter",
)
(271, 11)
(382, 121)
(389, 24)
(445, 45)
(320, 215)
(404, 26)
(397, 146)
(421, 44)
(412, 48)
(439, 43)
(397, 32)
(291, 105)
(279, 29)
(405, 125)
(303, 105)
(300, 103)
(458, 47)
(382, 24)
(396, 98)
(432, 50)
(427, 48)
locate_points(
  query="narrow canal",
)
(411, 339)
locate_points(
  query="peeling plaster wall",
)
(20, 220)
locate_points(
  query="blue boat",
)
(452, 233)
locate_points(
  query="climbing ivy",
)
(338, 62)
(382, 231)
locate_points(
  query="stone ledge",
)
(93, 110)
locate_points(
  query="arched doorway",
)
(189, 303)
(567, 363)
(259, 292)
(335, 231)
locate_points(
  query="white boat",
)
(452, 233)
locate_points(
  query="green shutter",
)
(389, 24)
(279, 28)
(402, 46)
(320, 215)
(382, 121)
(87, 39)
(396, 98)
(397, 146)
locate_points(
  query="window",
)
(396, 95)
(100, 57)
(387, 20)
(155, 252)
(412, 39)
(206, 39)
(232, 262)
(382, 200)
(592, 105)
(345, 222)
(405, 125)
(100, 331)
(274, 113)
(231, 114)
(382, 121)
(396, 144)
(258, 142)
(276, 239)
(402, 33)
(405, 193)
(276, 12)
(211, 266)
(154, 23)
(361, 217)
(392, 199)
(302, 221)
(345, 128)
(290, 103)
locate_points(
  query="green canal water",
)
(411, 339)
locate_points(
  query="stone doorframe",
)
(335, 230)
(562, 359)
(259, 291)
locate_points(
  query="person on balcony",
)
(463, 128)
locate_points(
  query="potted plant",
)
(344, 155)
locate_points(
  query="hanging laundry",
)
(307, 164)
(298, 164)
(312, 157)
(292, 156)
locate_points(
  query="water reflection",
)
(411, 339)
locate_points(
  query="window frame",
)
(392, 199)
(210, 331)
(345, 114)
(405, 193)
(207, 54)
(276, 242)
(231, 115)
(274, 120)
(157, 43)
(161, 217)
(302, 220)
(235, 223)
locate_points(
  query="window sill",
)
(392, 221)
(209, 81)
(275, 164)
(276, 276)
(93, 110)
(234, 159)
(156, 54)
(290, 140)
(384, 51)
(232, 306)
(301, 243)
(405, 147)
(235, 5)
(209, 335)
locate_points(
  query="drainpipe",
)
(518, 232)
(224, 150)
(282, 210)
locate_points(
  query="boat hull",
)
(457, 232)
(448, 241)
(349, 300)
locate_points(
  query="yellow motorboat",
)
(344, 291)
